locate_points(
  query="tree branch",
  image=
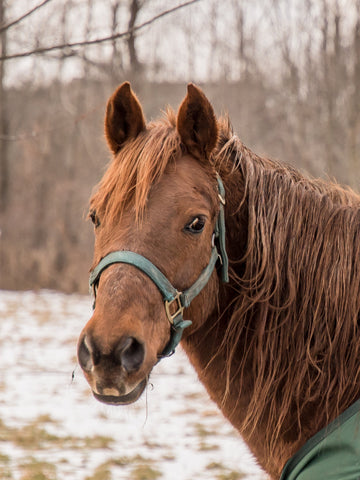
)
(20, 19)
(42, 50)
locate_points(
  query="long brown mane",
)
(296, 318)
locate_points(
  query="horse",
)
(263, 259)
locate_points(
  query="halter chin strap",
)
(175, 302)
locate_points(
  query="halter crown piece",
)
(175, 302)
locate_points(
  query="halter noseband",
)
(175, 302)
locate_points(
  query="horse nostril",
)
(84, 355)
(131, 354)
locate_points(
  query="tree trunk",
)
(354, 104)
(4, 119)
(135, 65)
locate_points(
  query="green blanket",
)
(331, 454)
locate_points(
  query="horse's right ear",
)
(124, 117)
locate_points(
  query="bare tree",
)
(354, 103)
(4, 117)
(6, 26)
(117, 64)
(135, 7)
(239, 15)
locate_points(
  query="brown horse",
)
(277, 347)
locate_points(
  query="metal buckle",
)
(222, 199)
(179, 310)
(213, 240)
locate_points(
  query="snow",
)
(174, 428)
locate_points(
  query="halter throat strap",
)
(174, 301)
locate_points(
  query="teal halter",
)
(173, 299)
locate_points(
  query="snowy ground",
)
(51, 428)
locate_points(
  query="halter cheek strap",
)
(174, 301)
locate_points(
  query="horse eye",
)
(94, 218)
(196, 225)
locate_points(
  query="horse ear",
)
(124, 117)
(196, 123)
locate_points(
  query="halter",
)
(175, 302)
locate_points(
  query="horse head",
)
(157, 204)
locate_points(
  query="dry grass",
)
(34, 436)
(33, 469)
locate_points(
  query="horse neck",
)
(229, 356)
(202, 345)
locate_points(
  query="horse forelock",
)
(139, 164)
(294, 325)
(142, 161)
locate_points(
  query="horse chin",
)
(122, 399)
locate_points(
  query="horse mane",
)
(294, 326)
(139, 164)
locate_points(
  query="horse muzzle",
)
(115, 375)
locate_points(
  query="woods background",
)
(287, 71)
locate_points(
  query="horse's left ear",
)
(196, 123)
